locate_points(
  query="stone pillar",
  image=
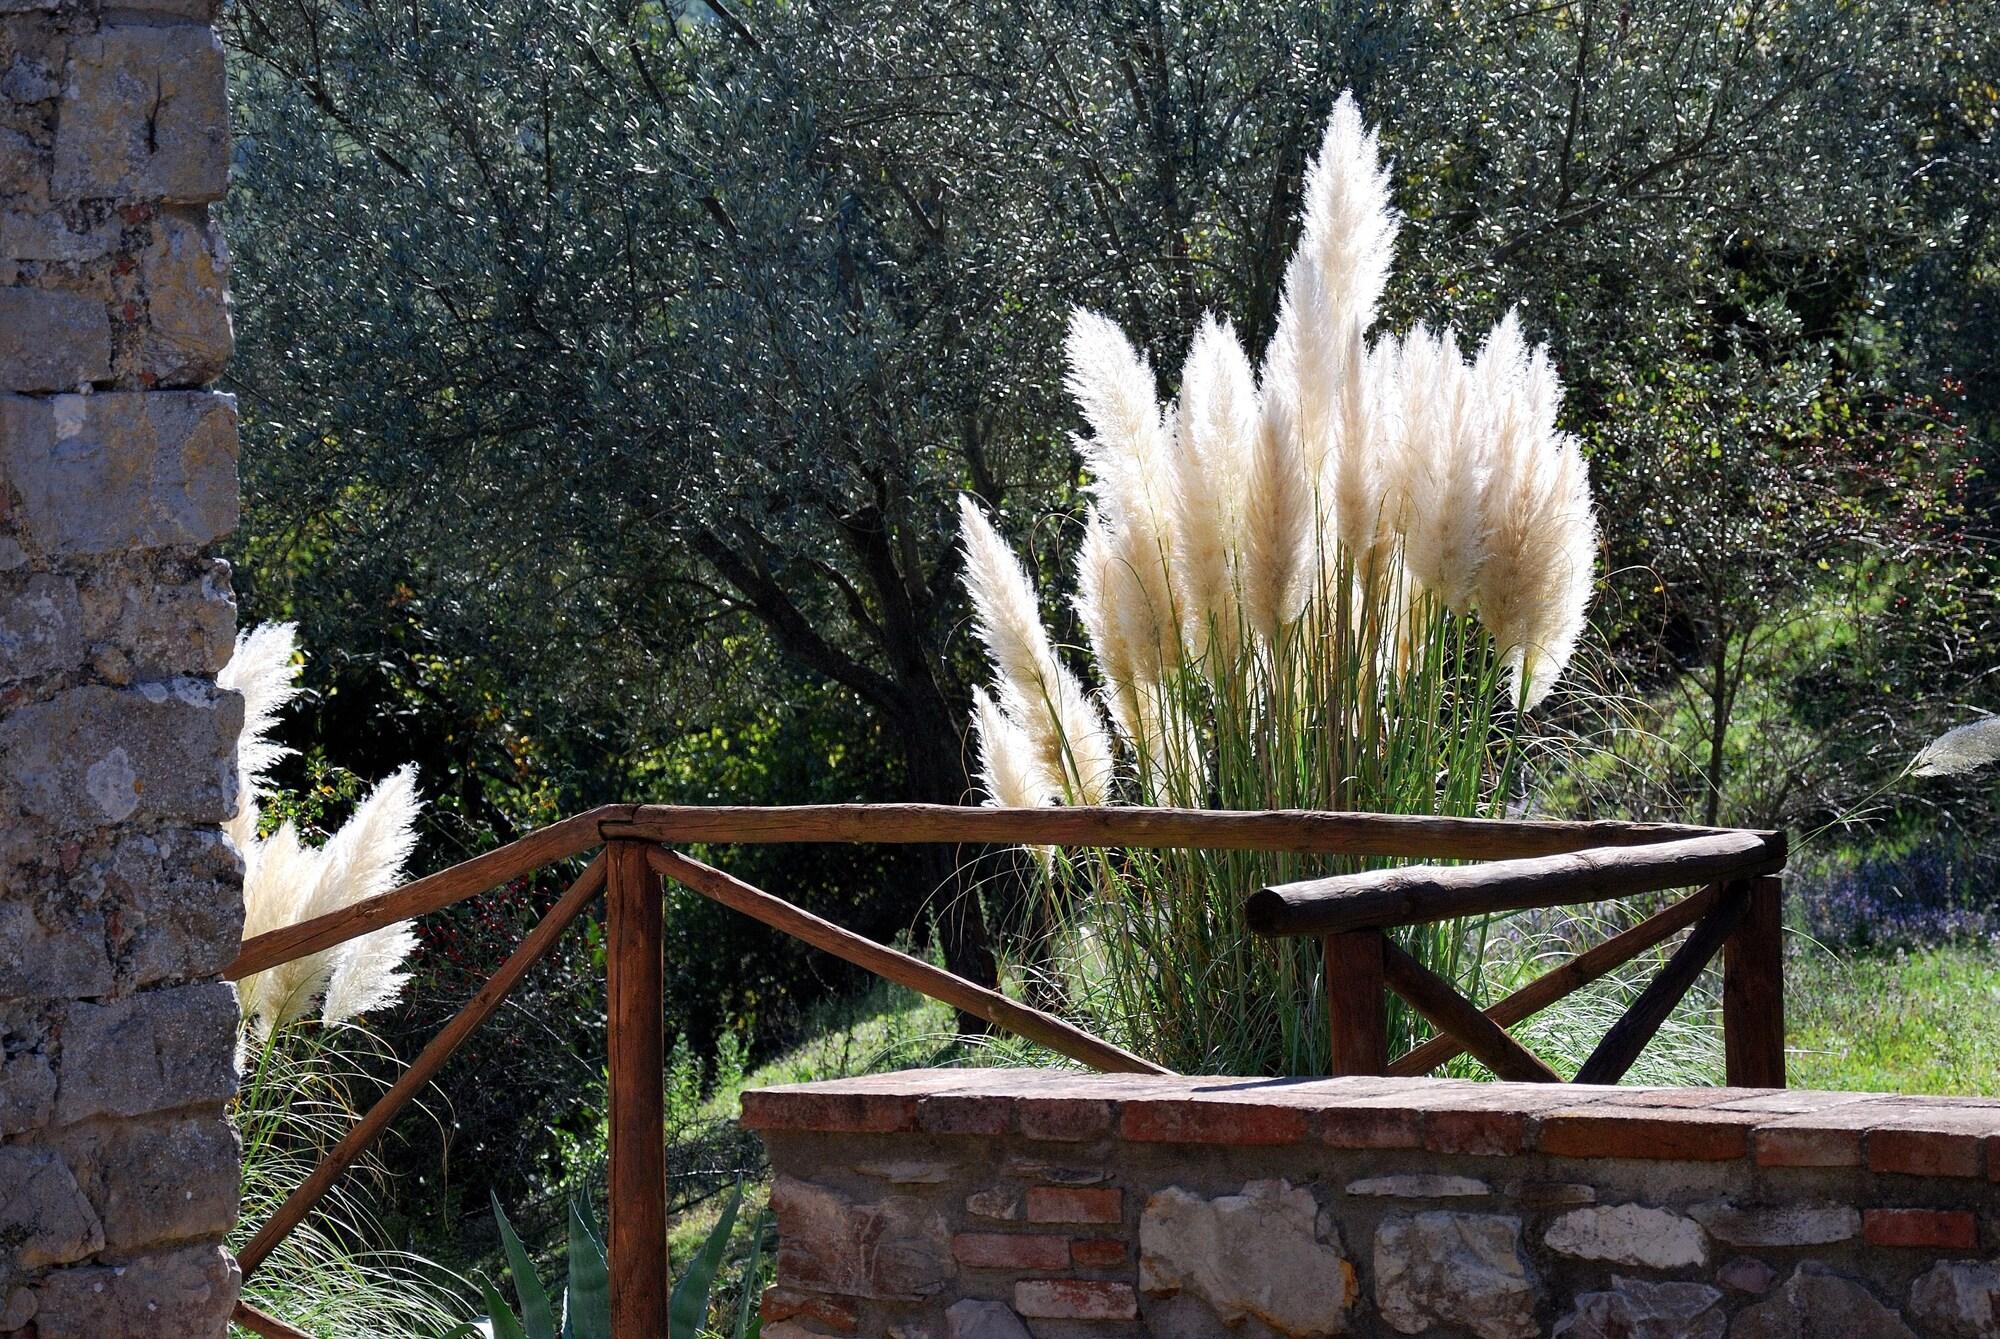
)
(120, 900)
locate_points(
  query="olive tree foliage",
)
(607, 366)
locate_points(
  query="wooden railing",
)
(1536, 864)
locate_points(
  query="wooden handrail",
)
(433, 892)
(1419, 894)
(1041, 1028)
(1292, 830)
(1571, 976)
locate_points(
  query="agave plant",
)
(1340, 580)
(585, 1310)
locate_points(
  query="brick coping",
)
(1955, 1137)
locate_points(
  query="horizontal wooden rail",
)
(1043, 1029)
(412, 1080)
(433, 892)
(1419, 894)
(1293, 830)
(1572, 976)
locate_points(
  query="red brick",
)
(1066, 1119)
(1073, 1204)
(946, 1114)
(1488, 1133)
(1005, 1250)
(837, 1313)
(829, 1112)
(1370, 1127)
(1075, 1299)
(1923, 1152)
(1803, 1146)
(1932, 1229)
(1611, 1132)
(1097, 1252)
(1211, 1123)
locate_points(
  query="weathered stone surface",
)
(51, 340)
(28, 80)
(1777, 1225)
(1816, 1303)
(94, 756)
(180, 914)
(188, 338)
(153, 1184)
(99, 473)
(1958, 1299)
(158, 617)
(27, 1079)
(44, 1217)
(1636, 1309)
(1420, 1187)
(908, 1171)
(154, 1051)
(183, 1292)
(41, 626)
(1455, 1269)
(1745, 1275)
(144, 116)
(1000, 1202)
(1268, 1252)
(47, 234)
(42, 958)
(971, 1319)
(1629, 1234)
(893, 1249)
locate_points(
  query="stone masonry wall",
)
(1002, 1204)
(120, 900)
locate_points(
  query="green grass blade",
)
(537, 1316)
(687, 1312)
(747, 1320)
(587, 1305)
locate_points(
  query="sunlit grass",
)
(1926, 1021)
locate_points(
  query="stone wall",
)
(119, 898)
(1000, 1204)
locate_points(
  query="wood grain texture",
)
(433, 892)
(1418, 894)
(635, 1042)
(1294, 830)
(1626, 1038)
(1570, 977)
(901, 968)
(1753, 991)
(1357, 1011)
(365, 1131)
(1450, 1012)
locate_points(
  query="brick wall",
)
(997, 1204)
(119, 898)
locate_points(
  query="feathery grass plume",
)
(1009, 770)
(1352, 554)
(264, 668)
(366, 857)
(1534, 587)
(1038, 690)
(1213, 447)
(1962, 749)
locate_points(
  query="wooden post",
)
(1357, 1010)
(635, 1041)
(1753, 991)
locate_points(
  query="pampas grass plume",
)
(1959, 750)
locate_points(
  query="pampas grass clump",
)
(286, 881)
(1339, 580)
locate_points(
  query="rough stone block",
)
(1629, 1234)
(52, 340)
(1075, 1299)
(1267, 1252)
(45, 1219)
(158, 616)
(1958, 1299)
(144, 116)
(185, 271)
(41, 626)
(98, 474)
(1777, 1225)
(74, 236)
(829, 1243)
(184, 1293)
(1456, 1269)
(835, 1313)
(155, 1051)
(1816, 1302)
(974, 1319)
(94, 756)
(27, 1079)
(152, 1184)
(61, 952)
